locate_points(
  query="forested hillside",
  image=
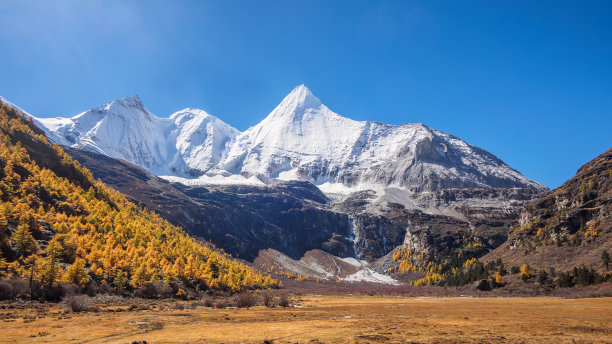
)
(58, 224)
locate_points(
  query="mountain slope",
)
(55, 216)
(569, 226)
(289, 216)
(294, 219)
(301, 139)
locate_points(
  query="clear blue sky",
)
(529, 81)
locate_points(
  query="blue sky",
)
(529, 81)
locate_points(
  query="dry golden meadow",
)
(324, 319)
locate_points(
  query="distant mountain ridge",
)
(187, 142)
(301, 139)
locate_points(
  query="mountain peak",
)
(294, 105)
(301, 97)
(191, 113)
(127, 107)
(129, 101)
(301, 89)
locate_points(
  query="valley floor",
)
(322, 319)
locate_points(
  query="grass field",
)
(323, 319)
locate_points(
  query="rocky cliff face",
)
(569, 226)
(432, 237)
(477, 203)
(583, 201)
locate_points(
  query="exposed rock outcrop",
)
(566, 227)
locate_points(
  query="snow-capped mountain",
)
(422, 180)
(301, 139)
(188, 142)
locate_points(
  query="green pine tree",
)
(22, 240)
(120, 281)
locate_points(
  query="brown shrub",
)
(219, 304)
(268, 300)
(245, 300)
(156, 290)
(69, 288)
(94, 289)
(77, 303)
(6, 291)
(53, 293)
(20, 286)
(208, 303)
(12, 288)
(194, 305)
(284, 300)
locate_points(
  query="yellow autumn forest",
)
(58, 224)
